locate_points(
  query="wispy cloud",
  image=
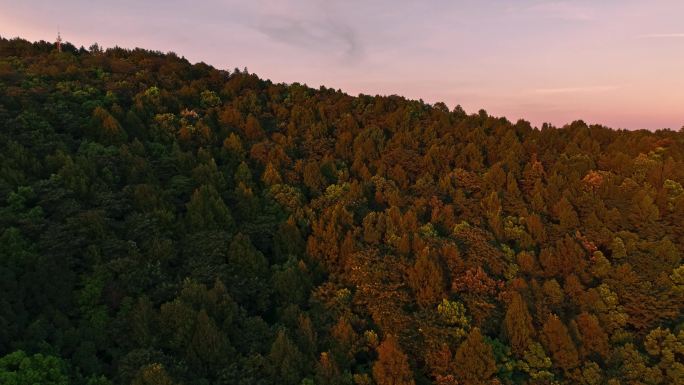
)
(662, 36)
(326, 36)
(564, 10)
(573, 90)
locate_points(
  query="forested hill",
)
(163, 222)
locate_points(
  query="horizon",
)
(615, 64)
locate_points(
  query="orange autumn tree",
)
(426, 277)
(518, 324)
(474, 361)
(558, 342)
(392, 366)
(594, 339)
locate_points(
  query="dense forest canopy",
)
(163, 222)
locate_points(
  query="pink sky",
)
(614, 62)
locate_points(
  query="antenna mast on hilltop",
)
(59, 42)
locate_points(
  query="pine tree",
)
(249, 273)
(392, 366)
(426, 277)
(208, 211)
(594, 338)
(518, 324)
(271, 175)
(107, 128)
(474, 362)
(491, 206)
(285, 361)
(209, 348)
(557, 341)
(566, 215)
(252, 129)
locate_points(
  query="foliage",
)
(19, 369)
(163, 222)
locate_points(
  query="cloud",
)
(564, 10)
(662, 36)
(327, 36)
(574, 90)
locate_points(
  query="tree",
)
(426, 278)
(345, 342)
(474, 362)
(291, 284)
(617, 248)
(327, 372)
(535, 227)
(208, 211)
(536, 364)
(557, 341)
(518, 326)
(392, 366)
(249, 274)
(668, 348)
(565, 257)
(107, 128)
(153, 374)
(285, 361)
(491, 206)
(252, 129)
(594, 338)
(513, 198)
(591, 373)
(643, 212)
(439, 360)
(271, 175)
(553, 293)
(209, 349)
(20, 369)
(634, 367)
(313, 179)
(453, 313)
(209, 98)
(566, 215)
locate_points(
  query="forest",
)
(170, 223)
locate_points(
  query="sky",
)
(614, 62)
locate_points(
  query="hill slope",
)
(170, 223)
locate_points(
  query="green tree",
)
(285, 362)
(453, 313)
(209, 348)
(249, 274)
(536, 364)
(208, 211)
(18, 368)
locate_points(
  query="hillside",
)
(163, 222)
